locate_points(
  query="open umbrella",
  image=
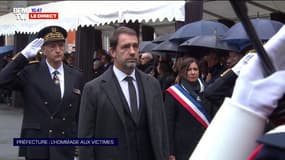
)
(207, 41)
(200, 46)
(146, 46)
(166, 48)
(6, 50)
(202, 27)
(162, 38)
(264, 28)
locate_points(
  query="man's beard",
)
(131, 65)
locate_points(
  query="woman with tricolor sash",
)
(186, 109)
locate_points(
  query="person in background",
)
(147, 62)
(124, 103)
(106, 59)
(98, 68)
(223, 86)
(165, 76)
(203, 68)
(68, 59)
(176, 67)
(51, 91)
(184, 128)
(215, 67)
(233, 58)
(101, 62)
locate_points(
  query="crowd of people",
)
(158, 106)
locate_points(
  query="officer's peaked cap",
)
(52, 33)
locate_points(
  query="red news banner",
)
(43, 15)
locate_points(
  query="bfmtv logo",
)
(23, 14)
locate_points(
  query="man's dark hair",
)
(121, 30)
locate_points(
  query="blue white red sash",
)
(190, 104)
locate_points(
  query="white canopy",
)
(90, 13)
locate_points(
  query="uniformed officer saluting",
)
(51, 93)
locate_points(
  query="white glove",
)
(32, 48)
(257, 93)
(275, 48)
(242, 62)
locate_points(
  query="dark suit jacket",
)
(102, 116)
(45, 115)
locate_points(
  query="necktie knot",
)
(129, 78)
(55, 72)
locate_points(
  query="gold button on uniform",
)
(62, 132)
(50, 131)
(46, 102)
(70, 105)
(63, 118)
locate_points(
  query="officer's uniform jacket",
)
(45, 114)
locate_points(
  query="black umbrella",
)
(200, 46)
(146, 46)
(198, 28)
(208, 41)
(162, 38)
(167, 46)
(264, 28)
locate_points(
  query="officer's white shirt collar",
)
(51, 69)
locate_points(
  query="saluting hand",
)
(32, 48)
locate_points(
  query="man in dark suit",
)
(51, 93)
(108, 111)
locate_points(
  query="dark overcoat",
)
(102, 116)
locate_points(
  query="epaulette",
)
(15, 56)
(225, 72)
(34, 61)
(251, 51)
